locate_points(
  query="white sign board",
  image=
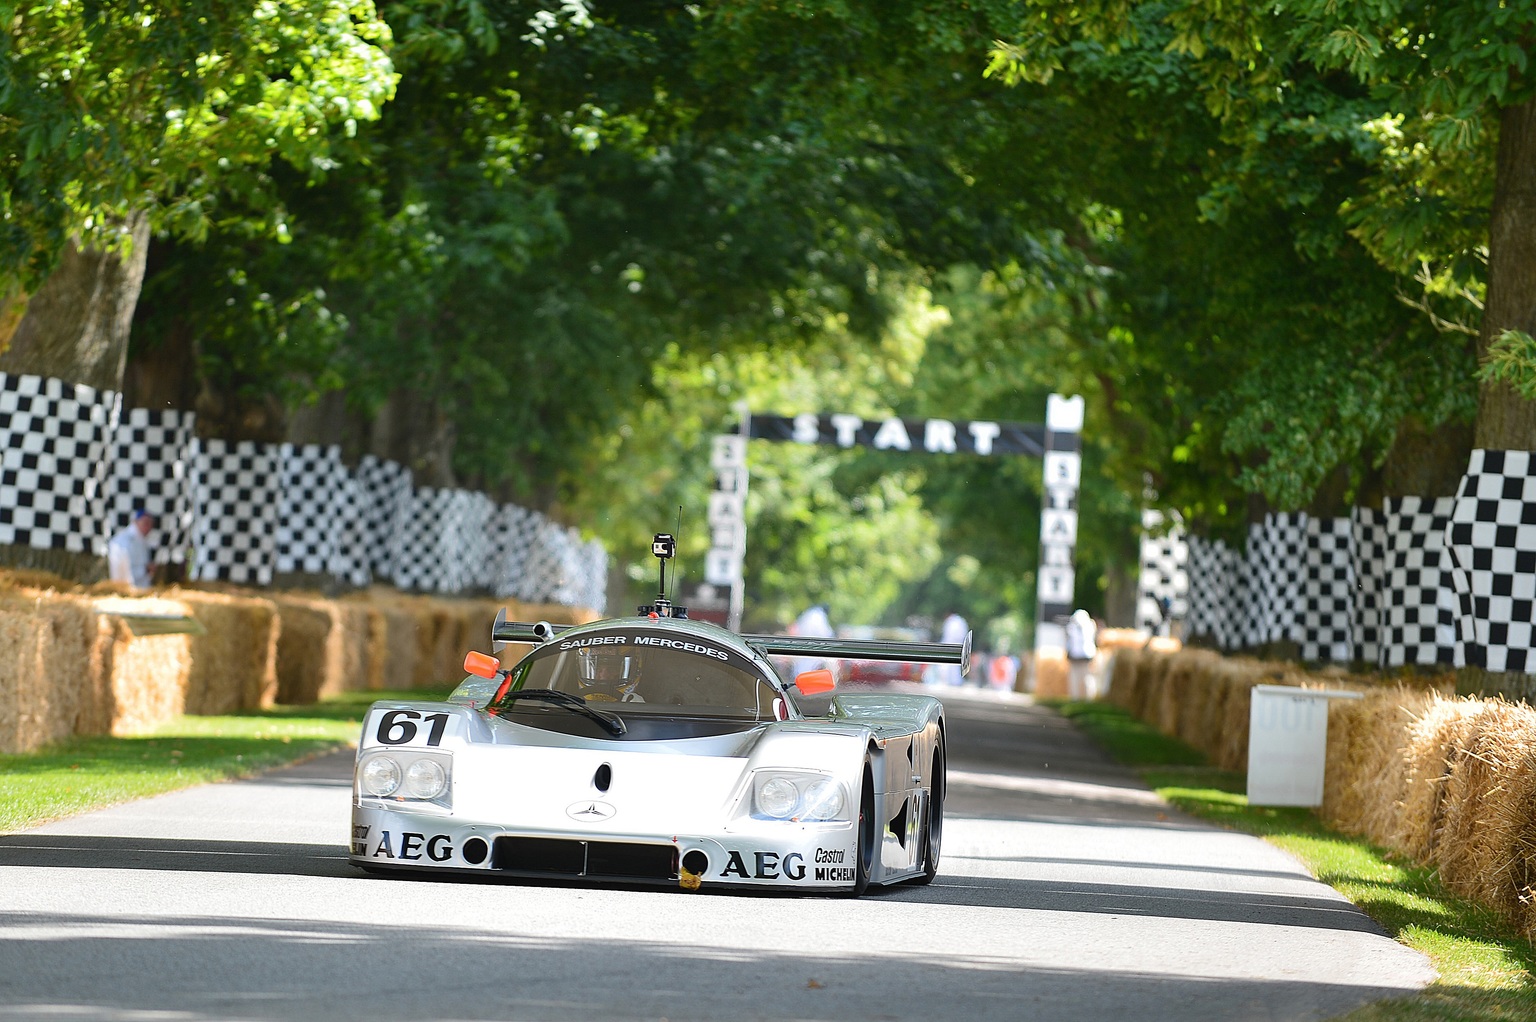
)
(1287, 743)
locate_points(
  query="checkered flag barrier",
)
(388, 501)
(1416, 585)
(1325, 617)
(235, 494)
(1164, 572)
(1491, 538)
(55, 438)
(1212, 577)
(349, 557)
(308, 531)
(74, 465)
(1370, 569)
(150, 467)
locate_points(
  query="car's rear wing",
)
(504, 631)
(866, 649)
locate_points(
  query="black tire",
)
(933, 825)
(869, 834)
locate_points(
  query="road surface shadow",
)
(198, 968)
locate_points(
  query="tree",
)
(1434, 98)
(119, 117)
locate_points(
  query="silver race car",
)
(657, 749)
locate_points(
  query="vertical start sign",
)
(1058, 521)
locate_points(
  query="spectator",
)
(953, 630)
(1082, 647)
(128, 551)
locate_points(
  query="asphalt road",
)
(1066, 891)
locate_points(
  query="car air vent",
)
(603, 777)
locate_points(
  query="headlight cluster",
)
(781, 795)
(406, 776)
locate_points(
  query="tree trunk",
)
(1423, 462)
(1505, 420)
(76, 325)
(412, 429)
(75, 328)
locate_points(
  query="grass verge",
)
(89, 773)
(1487, 970)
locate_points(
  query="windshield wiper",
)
(612, 724)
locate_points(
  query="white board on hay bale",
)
(1287, 744)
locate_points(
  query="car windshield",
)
(639, 673)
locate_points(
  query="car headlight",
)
(777, 797)
(425, 778)
(823, 800)
(380, 776)
(795, 795)
(403, 776)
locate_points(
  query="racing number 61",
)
(398, 727)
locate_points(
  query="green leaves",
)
(1511, 359)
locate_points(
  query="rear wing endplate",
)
(866, 649)
(504, 631)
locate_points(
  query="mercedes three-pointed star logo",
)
(589, 811)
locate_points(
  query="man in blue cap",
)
(128, 551)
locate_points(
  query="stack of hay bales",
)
(234, 663)
(70, 664)
(1195, 695)
(1447, 781)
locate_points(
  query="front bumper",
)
(751, 854)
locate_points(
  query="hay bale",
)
(1364, 782)
(1476, 846)
(53, 679)
(1435, 735)
(234, 665)
(1125, 671)
(147, 673)
(1052, 675)
(309, 645)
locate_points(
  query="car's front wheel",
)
(869, 844)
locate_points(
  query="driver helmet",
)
(607, 676)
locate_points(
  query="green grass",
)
(89, 773)
(1487, 970)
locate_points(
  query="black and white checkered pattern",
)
(387, 503)
(150, 467)
(1325, 618)
(1164, 572)
(1492, 544)
(71, 475)
(1416, 581)
(55, 439)
(308, 530)
(449, 542)
(349, 558)
(1276, 556)
(1211, 578)
(235, 493)
(513, 530)
(1369, 553)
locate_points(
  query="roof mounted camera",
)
(664, 547)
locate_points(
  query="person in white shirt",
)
(954, 630)
(128, 551)
(1082, 647)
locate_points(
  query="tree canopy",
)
(540, 247)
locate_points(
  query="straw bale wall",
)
(1447, 781)
(71, 665)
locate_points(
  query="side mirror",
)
(815, 683)
(481, 665)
